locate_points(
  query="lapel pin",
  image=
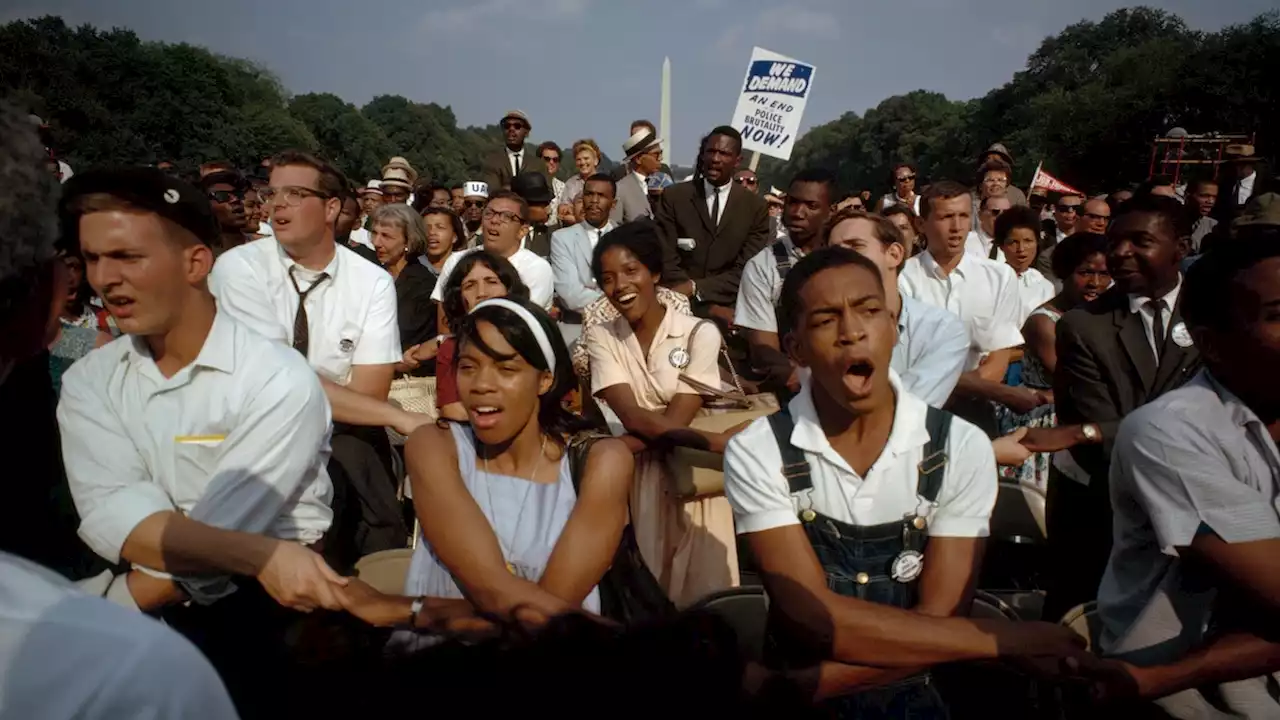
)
(1181, 335)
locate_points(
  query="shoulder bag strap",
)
(934, 465)
(782, 259)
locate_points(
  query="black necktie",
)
(516, 158)
(1157, 325)
(301, 333)
(715, 209)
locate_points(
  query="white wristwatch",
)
(1091, 432)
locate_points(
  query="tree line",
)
(1088, 104)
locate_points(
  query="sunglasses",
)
(225, 196)
(474, 203)
(746, 181)
(995, 212)
(1068, 208)
(904, 178)
(550, 158)
(513, 126)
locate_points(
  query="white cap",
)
(472, 188)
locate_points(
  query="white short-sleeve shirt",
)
(238, 439)
(535, 273)
(760, 287)
(983, 293)
(1034, 290)
(762, 500)
(65, 654)
(351, 317)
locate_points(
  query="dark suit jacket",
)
(539, 241)
(1106, 370)
(497, 168)
(719, 254)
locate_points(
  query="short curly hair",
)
(28, 208)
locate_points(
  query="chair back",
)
(1018, 516)
(746, 610)
(385, 570)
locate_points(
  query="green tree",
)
(345, 136)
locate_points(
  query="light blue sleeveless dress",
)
(527, 517)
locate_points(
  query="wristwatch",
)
(1091, 432)
(415, 607)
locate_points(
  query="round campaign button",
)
(1181, 335)
(679, 358)
(907, 566)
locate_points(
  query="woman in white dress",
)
(644, 364)
(503, 529)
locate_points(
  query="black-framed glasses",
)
(904, 178)
(225, 196)
(503, 215)
(474, 203)
(1068, 208)
(550, 159)
(291, 195)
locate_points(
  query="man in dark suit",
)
(1115, 354)
(533, 187)
(500, 167)
(710, 228)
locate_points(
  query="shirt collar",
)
(708, 188)
(217, 352)
(1236, 408)
(904, 309)
(931, 266)
(513, 153)
(908, 431)
(644, 179)
(1136, 302)
(289, 263)
(608, 225)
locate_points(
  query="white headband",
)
(535, 327)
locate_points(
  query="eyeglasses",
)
(995, 212)
(550, 159)
(856, 206)
(474, 203)
(503, 215)
(225, 196)
(513, 126)
(746, 181)
(1068, 208)
(904, 178)
(291, 195)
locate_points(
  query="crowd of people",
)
(594, 415)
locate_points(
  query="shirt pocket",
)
(336, 352)
(194, 459)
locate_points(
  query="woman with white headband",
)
(502, 526)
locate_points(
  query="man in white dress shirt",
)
(982, 292)
(506, 222)
(194, 447)
(571, 250)
(303, 290)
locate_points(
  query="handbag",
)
(700, 473)
(629, 592)
(412, 394)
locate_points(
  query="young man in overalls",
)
(866, 511)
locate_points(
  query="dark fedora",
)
(533, 187)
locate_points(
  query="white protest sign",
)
(772, 102)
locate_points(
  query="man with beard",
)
(571, 250)
(1115, 354)
(501, 167)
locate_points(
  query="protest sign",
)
(772, 102)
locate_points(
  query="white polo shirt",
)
(762, 500)
(238, 439)
(981, 292)
(65, 654)
(760, 287)
(535, 273)
(351, 317)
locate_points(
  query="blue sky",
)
(586, 68)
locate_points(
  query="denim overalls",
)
(877, 563)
